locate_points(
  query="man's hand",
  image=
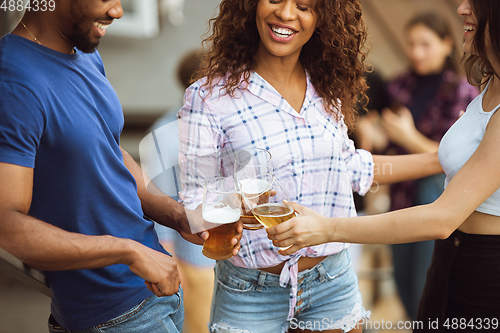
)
(201, 237)
(198, 238)
(196, 231)
(157, 269)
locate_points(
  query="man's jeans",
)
(153, 315)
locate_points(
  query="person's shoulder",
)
(205, 89)
(198, 84)
(14, 51)
(10, 41)
(18, 64)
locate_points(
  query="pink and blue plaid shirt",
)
(313, 159)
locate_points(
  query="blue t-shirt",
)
(61, 116)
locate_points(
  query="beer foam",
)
(223, 215)
(254, 186)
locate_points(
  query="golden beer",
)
(253, 193)
(271, 214)
(223, 219)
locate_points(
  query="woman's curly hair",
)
(334, 56)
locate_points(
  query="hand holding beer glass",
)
(250, 163)
(271, 206)
(221, 210)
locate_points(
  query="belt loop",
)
(262, 279)
(322, 272)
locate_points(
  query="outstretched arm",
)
(165, 210)
(477, 180)
(390, 169)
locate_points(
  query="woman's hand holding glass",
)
(308, 228)
(271, 204)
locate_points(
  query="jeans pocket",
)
(234, 284)
(154, 315)
(342, 266)
(125, 316)
(179, 295)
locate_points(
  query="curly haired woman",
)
(284, 76)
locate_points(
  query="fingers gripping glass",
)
(221, 209)
(271, 205)
(250, 163)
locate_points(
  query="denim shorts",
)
(153, 315)
(252, 301)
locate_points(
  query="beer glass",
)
(248, 164)
(272, 205)
(221, 209)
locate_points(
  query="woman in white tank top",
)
(462, 290)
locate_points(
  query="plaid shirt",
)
(313, 159)
(453, 96)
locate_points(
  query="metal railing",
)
(15, 268)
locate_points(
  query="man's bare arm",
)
(46, 247)
(156, 204)
(165, 210)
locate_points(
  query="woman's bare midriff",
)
(481, 224)
(304, 263)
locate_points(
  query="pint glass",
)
(221, 210)
(272, 205)
(250, 163)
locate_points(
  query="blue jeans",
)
(412, 260)
(252, 301)
(153, 315)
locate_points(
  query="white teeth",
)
(101, 26)
(468, 28)
(282, 32)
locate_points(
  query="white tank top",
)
(462, 140)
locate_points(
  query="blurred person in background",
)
(368, 134)
(196, 270)
(426, 100)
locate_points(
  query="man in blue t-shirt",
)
(72, 200)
